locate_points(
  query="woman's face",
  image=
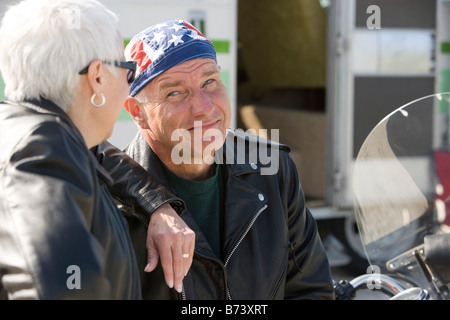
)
(115, 92)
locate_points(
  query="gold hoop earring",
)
(98, 105)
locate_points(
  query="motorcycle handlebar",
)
(437, 254)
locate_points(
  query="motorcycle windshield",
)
(401, 179)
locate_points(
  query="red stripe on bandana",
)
(138, 54)
(191, 27)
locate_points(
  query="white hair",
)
(45, 43)
(141, 97)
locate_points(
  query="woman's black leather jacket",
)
(61, 234)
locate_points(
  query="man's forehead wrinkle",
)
(169, 84)
(168, 81)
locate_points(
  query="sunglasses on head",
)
(129, 65)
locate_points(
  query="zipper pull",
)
(291, 247)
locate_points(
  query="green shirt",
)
(204, 201)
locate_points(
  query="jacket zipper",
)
(250, 225)
(183, 292)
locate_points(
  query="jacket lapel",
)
(242, 200)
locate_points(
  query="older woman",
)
(61, 234)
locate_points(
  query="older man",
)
(254, 236)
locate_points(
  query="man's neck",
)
(194, 172)
(191, 171)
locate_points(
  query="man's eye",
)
(209, 82)
(173, 93)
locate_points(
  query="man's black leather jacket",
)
(61, 234)
(270, 242)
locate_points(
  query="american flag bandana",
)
(163, 46)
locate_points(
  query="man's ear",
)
(136, 111)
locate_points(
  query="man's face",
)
(191, 99)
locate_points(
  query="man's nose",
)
(201, 104)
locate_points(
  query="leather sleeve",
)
(134, 187)
(309, 275)
(46, 211)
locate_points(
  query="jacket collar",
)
(141, 152)
(231, 155)
(45, 106)
(242, 150)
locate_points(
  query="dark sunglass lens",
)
(130, 76)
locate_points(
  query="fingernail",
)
(180, 288)
(147, 267)
(171, 284)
